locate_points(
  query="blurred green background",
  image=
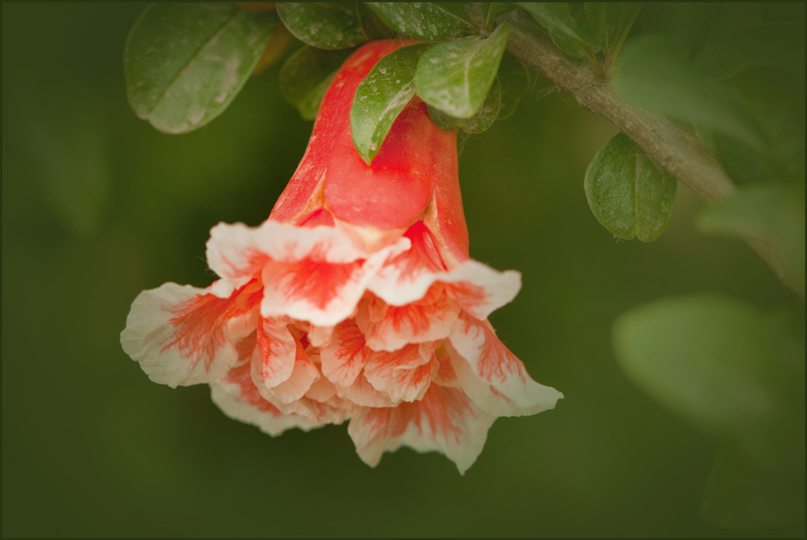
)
(97, 206)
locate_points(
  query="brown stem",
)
(667, 144)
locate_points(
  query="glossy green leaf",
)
(185, 63)
(653, 74)
(515, 79)
(566, 25)
(306, 75)
(609, 21)
(743, 494)
(427, 21)
(747, 47)
(493, 10)
(628, 194)
(770, 213)
(381, 97)
(719, 363)
(456, 76)
(328, 25)
(479, 122)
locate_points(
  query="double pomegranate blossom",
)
(356, 300)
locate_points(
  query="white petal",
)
(478, 288)
(405, 374)
(445, 420)
(321, 292)
(182, 335)
(238, 397)
(389, 328)
(235, 251)
(343, 359)
(492, 376)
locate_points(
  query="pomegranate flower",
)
(356, 300)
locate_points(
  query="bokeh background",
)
(97, 206)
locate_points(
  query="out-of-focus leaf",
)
(742, 494)
(628, 194)
(776, 100)
(608, 21)
(479, 122)
(719, 363)
(185, 63)
(306, 75)
(427, 21)
(515, 80)
(747, 47)
(328, 25)
(688, 24)
(652, 74)
(381, 97)
(456, 76)
(771, 213)
(566, 25)
(492, 10)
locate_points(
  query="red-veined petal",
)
(492, 376)
(445, 420)
(182, 335)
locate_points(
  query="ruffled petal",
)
(492, 376)
(304, 374)
(405, 374)
(235, 251)
(362, 393)
(281, 369)
(445, 376)
(318, 291)
(238, 397)
(445, 420)
(275, 354)
(408, 276)
(182, 335)
(388, 328)
(343, 359)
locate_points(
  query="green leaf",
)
(381, 97)
(688, 24)
(770, 213)
(493, 10)
(306, 76)
(738, 374)
(742, 494)
(720, 364)
(653, 74)
(185, 63)
(628, 194)
(746, 47)
(479, 122)
(609, 21)
(566, 25)
(776, 101)
(515, 79)
(328, 25)
(426, 21)
(456, 76)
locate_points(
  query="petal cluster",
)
(325, 314)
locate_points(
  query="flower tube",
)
(356, 300)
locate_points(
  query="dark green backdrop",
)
(97, 206)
